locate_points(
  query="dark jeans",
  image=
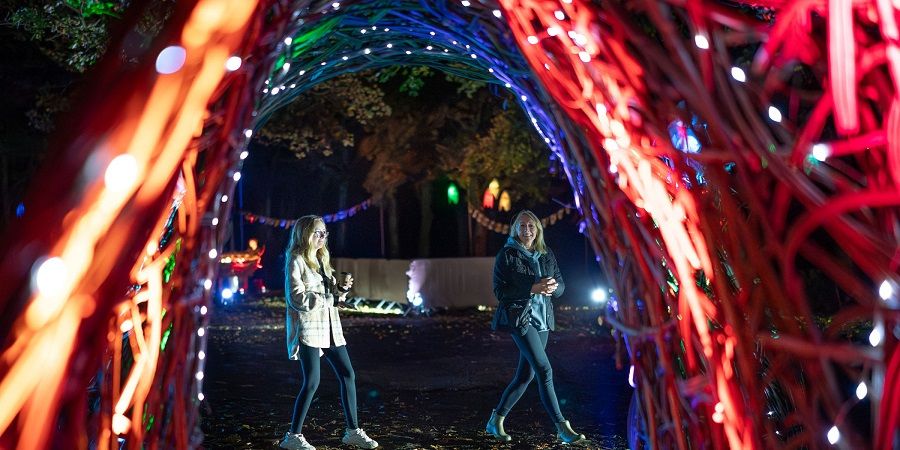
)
(309, 366)
(532, 361)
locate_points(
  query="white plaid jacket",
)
(311, 314)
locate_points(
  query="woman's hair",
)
(539, 244)
(300, 244)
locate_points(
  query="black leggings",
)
(532, 360)
(309, 366)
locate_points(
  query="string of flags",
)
(503, 228)
(328, 218)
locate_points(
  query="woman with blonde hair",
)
(314, 329)
(526, 277)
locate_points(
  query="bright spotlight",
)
(599, 295)
(417, 300)
(227, 294)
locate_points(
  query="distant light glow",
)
(834, 435)
(236, 176)
(885, 290)
(532, 40)
(559, 15)
(497, 13)
(213, 253)
(224, 198)
(170, 60)
(227, 294)
(248, 132)
(244, 154)
(598, 295)
(215, 221)
(738, 74)
(288, 40)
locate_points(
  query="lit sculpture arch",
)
(704, 274)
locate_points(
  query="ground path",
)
(423, 382)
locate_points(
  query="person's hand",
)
(545, 286)
(348, 283)
(551, 286)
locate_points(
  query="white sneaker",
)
(293, 441)
(358, 438)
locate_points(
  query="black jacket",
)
(513, 278)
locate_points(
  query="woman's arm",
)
(300, 299)
(506, 286)
(557, 275)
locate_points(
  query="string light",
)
(876, 335)
(497, 13)
(207, 284)
(247, 133)
(215, 221)
(532, 40)
(775, 114)
(121, 174)
(236, 176)
(201, 331)
(170, 60)
(224, 198)
(885, 290)
(233, 63)
(821, 152)
(834, 435)
(50, 276)
(288, 40)
(213, 253)
(738, 74)
(244, 154)
(701, 42)
(861, 390)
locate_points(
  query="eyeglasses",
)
(320, 234)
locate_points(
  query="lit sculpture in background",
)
(113, 259)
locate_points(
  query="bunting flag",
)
(287, 223)
(502, 228)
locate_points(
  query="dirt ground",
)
(422, 382)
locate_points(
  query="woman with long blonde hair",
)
(313, 328)
(526, 279)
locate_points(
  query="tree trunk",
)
(393, 224)
(427, 217)
(343, 192)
